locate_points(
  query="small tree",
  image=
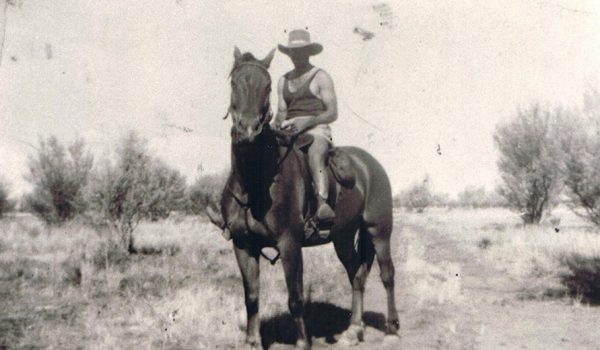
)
(473, 197)
(168, 189)
(138, 186)
(6, 204)
(530, 160)
(479, 197)
(441, 200)
(207, 189)
(58, 176)
(582, 161)
(418, 196)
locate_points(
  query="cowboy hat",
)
(299, 39)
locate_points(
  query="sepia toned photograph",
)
(181, 175)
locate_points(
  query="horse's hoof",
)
(391, 341)
(352, 336)
(393, 326)
(253, 344)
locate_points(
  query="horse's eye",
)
(233, 106)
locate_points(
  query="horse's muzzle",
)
(247, 133)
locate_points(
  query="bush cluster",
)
(117, 193)
(545, 153)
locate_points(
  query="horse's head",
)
(250, 89)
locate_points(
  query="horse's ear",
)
(267, 60)
(237, 55)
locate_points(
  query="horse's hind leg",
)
(248, 262)
(358, 265)
(381, 242)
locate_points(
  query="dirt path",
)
(449, 297)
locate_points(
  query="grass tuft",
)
(110, 254)
(143, 285)
(72, 271)
(484, 243)
(582, 278)
(169, 249)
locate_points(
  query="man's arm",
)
(281, 105)
(327, 95)
(327, 92)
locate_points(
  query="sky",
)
(423, 95)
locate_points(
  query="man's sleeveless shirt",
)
(302, 101)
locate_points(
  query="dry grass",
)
(552, 259)
(74, 286)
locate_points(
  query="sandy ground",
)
(451, 293)
(477, 306)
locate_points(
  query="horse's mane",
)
(246, 57)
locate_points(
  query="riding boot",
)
(324, 213)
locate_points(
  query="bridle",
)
(266, 112)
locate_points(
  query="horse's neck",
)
(256, 163)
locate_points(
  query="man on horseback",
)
(264, 202)
(307, 104)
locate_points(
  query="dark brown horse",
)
(268, 198)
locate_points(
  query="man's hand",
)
(297, 125)
(276, 124)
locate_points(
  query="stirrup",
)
(311, 228)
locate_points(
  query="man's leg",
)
(317, 154)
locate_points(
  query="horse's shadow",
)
(321, 320)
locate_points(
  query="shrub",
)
(583, 277)
(529, 161)
(484, 243)
(138, 186)
(169, 191)
(6, 204)
(58, 176)
(207, 189)
(71, 269)
(397, 200)
(478, 197)
(418, 196)
(170, 249)
(582, 164)
(442, 200)
(109, 253)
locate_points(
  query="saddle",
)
(338, 161)
(340, 165)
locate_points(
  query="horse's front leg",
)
(291, 259)
(248, 260)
